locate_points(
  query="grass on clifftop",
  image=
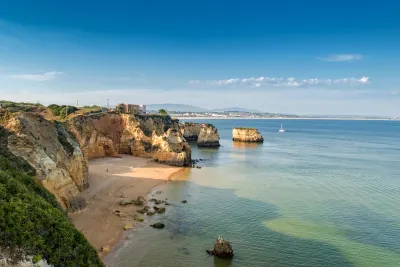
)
(33, 223)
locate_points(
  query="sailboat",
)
(281, 130)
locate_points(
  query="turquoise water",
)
(324, 193)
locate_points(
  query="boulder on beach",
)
(128, 226)
(119, 213)
(222, 248)
(142, 210)
(139, 201)
(247, 135)
(158, 225)
(125, 202)
(105, 249)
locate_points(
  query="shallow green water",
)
(325, 193)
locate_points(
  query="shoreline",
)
(111, 180)
(240, 118)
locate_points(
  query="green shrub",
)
(57, 110)
(31, 220)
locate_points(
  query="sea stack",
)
(222, 248)
(209, 136)
(190, 130)
(247, 135)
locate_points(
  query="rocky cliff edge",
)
(53, 153)
(151, 136)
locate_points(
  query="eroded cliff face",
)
(209, 136)
(156, 137)
(247, 135)
(58, 152)
(190, 130)
(55, 156)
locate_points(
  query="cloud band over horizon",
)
(284, 82)
(47, 76)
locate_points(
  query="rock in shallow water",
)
(247, 135)
(158, 225)
(159, 209)
(222, 248)
(209, 136)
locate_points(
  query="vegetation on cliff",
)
(32, 221)
(8, 109)
(61, 110)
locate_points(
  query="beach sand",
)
(111, 180)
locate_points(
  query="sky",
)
(288, 56)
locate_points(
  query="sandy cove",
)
(112, 179)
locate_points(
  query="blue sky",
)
(303, 57)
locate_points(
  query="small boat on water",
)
(281, 130)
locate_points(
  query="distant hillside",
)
(175, 107)
(238, 109)
(190, 108)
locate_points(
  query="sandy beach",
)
(111, 180)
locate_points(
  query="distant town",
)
(230, 114)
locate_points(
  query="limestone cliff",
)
(55, 156)
(247, 135)
(156, 137)
(190, 130)
(209, 136)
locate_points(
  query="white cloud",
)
(286, 82)
(47, 76)
(341, 57)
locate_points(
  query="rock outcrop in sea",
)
(151, 136)
(222, 248)
(190, 130)
(209, 136)
(247, 135)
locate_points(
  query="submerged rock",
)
(150, 213)
(247, 135)
(209, 136)
(158, 225)
(184, 201)
(158, 202)
(138, 218)
(159, 209)
(222, 248)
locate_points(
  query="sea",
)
(323, 193)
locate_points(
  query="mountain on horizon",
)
(238, 109)
(190, 108)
